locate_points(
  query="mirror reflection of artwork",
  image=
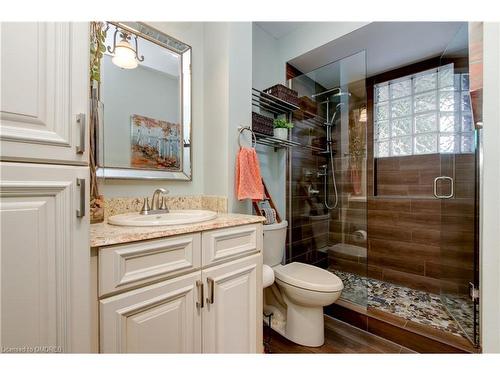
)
(156, 144)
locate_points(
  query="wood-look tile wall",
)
(309, 219)
(417, 240)
(407, 175)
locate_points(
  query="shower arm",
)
(326, 92)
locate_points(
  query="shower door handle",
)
(452, 186)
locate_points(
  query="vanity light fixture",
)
(124, 55)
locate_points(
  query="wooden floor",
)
(340, 337)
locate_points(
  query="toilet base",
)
(300, 324)
(312, 338)
(305, 325)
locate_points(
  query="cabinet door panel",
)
(44, 262)
(44, 69)
(233, 322)
(159, 318)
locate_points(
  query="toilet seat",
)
(306, 276)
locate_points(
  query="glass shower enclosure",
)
(384, 188)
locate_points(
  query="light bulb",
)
(362, 115)
(124, 55)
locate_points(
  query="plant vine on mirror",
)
(97, 48)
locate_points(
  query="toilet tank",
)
(274, 243)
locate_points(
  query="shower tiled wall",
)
(416, 240)
(309, 219)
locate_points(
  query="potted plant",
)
(281, 127)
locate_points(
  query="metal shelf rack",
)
(272, 104)
(276, 107)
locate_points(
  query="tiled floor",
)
(340, 337)
(410, 304)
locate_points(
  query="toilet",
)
(296, 298)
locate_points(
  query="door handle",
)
(452, 187)
(199, 303)
(81, 183)
(80, 120)
(210, 298)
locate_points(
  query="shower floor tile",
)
(413, 305)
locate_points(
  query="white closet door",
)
(44, 259)
(44, 85)
(159, 318)
(232, 317)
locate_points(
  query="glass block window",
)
(424, 113)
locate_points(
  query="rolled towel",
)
(269, 214)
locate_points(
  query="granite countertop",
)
(104, 234)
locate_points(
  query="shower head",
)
(338, 93)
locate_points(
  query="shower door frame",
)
(474, 57)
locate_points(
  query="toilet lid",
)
(309, 277)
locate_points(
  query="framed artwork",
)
(156, 144)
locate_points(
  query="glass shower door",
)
(457, 187)
(327, 179)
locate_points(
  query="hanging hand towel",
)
(248, 178)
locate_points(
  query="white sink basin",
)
(174, 217)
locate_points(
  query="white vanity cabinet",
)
(45, 300)
(170, 295)
(44, 262)
(44, 85)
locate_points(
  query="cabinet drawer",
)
(125, 266)
(224, 244)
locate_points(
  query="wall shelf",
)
(272, 104)
(276, 143)
(276, 106)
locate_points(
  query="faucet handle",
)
(163, 205)
(145, 207)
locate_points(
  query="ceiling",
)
(388, 45)
(280, 29)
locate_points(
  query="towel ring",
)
(241, 129)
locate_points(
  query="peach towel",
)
(248, 178)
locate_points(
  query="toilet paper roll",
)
(267, 276)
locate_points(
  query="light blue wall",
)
(266, 72)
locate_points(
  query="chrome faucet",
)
(157, 206)
(311, 191)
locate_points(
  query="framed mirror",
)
(144, 105)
